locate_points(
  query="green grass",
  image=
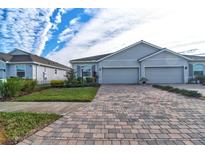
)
(85, 94)
(16, 125)
(185, 92)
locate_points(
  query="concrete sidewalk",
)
(61, 108)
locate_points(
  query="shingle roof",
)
(5, 57)
(95, 58)
(195, 57)
(28, 57)
(92, 58)
(21, 58)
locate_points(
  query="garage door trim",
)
(179, 66)
(117, 68)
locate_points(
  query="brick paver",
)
(129, 114)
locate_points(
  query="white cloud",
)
(111, 29)
(27, 29)
(91, 11)
(74, 21)
(58, 17)
(56, 48)
(69, 33)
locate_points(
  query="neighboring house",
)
(22, 64)
(142, 59)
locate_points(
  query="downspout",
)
(140, 71)
(36, 73)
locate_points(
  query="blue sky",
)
(53, 22)
(63, 34)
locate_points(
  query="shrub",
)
(70, 76)
(83, 85)
(89, 80)
(10, 88)
(190, 93)
(72, 81)
(143, 80)
(16, 86)
(28, 85)
(57, 83)
(192, 81)
(201, 79)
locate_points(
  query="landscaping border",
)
(189, 93)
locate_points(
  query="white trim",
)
(164, 66)
(2, 61)
(32, 62)
(170, 66)
(132, 45)
(160, 59)
(165, 49)
(76, 62)
(198, 60)
(121, 60)
(119, 67)
(24, 65)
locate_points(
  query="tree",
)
(70, 75)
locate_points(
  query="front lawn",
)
(85, 94)
(14, 126)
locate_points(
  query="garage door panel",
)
(164, 74)
(120, 75)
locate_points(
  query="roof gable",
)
(99, 58)
(18, 52)
(5, 57)
(163, 50)
(130, 46)
(19, 56)
(195, 58)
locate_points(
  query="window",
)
(20, 71)
(198, 69)
(56, 71)
(84, 70)
(87, 72)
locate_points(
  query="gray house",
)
(22, 64)
(141, 59)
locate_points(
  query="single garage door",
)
(164, 74)
(120, 75)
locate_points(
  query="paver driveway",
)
(129, 114)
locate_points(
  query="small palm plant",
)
(143, 80)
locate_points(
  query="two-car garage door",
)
(120, 75)
(164, 74)
(153, 74)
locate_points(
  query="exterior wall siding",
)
(35, 72)
(38, 74)
(11, 70)
(2, 70)
(134, 53)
